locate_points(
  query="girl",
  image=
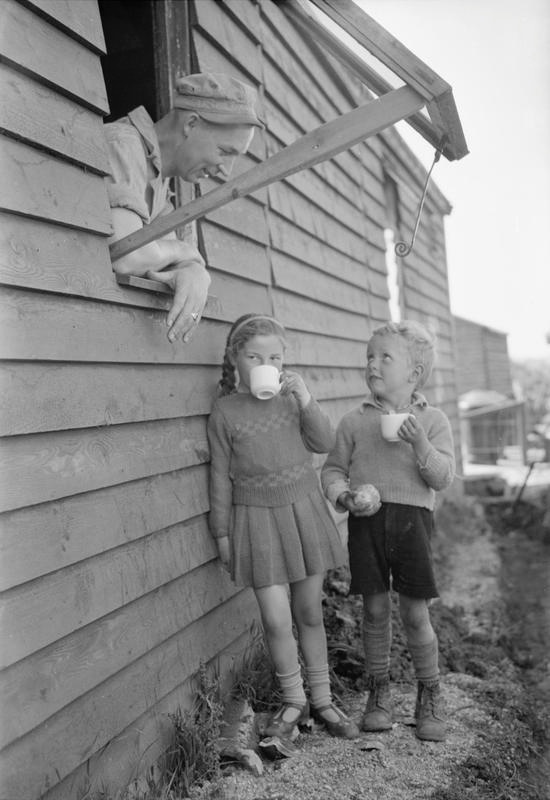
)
(269, 518)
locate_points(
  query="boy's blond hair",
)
(420, 343)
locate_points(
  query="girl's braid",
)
(228, 381)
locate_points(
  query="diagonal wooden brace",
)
(319, 145)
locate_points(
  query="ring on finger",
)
(195, 316)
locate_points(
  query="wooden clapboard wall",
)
(112, 594)
(111, 590)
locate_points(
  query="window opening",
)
(129, 65)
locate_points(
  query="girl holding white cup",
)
(267, 513)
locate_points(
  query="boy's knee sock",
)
(377, 645)
(425, 660)
(292, 687)
(319, 686)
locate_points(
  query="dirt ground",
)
(493, 623)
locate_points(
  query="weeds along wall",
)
(111, 590)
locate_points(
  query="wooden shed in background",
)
(111, 590)
(482, 359)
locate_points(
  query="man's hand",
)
(190, 283)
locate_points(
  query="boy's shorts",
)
(393, 542)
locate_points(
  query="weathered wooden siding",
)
(112, 593)
(482, 358)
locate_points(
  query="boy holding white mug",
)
(389, 537)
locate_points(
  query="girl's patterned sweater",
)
(261, 453)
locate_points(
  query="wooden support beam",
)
(303, 18)
(319, 145)
(403, 63)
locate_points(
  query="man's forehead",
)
(234, 139)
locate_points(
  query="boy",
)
(392, 537)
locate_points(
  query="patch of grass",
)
(192, 759)
(254, 680)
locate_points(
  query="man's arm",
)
(172, 261)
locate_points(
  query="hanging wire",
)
(403, 249)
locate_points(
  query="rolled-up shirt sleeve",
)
(127, 183)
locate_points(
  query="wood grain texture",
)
(147, 738)
(229, 38)
(46, 466)
(102, 332)
(88, 724)
(301, 279)
(300, 314)
(50, 536)
(81, 19)
(31, 44)
(39, 185)
(39, 397)
(42, 117)
(41, 685)
(42, 611)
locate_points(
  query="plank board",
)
(40, 612)
(28, 768)
(41, 50)
(229, 252)
(49, 327)
(301, 314)
(228, 37)
(301, 279)
(244, 217)
(46, 466)
(139, 746)
(307, 248)
(81, 19)
(38, 397)
(334, 383)
(320, 222)
(40, 539)
(39, 185)
(317, 349)
(42, 684)
(42, 117)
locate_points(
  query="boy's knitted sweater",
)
(261, 453)
(360, 455)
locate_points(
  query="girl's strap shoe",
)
(277, 726)
(344, 728)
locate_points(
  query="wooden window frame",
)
(423, 88)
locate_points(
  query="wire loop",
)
(403, 249)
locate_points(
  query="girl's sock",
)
(425, 660)
(377, 646)
(319, 686)
(292, 687)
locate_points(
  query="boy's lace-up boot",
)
(378, 713)
(430, 724)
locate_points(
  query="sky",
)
(495, 54)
